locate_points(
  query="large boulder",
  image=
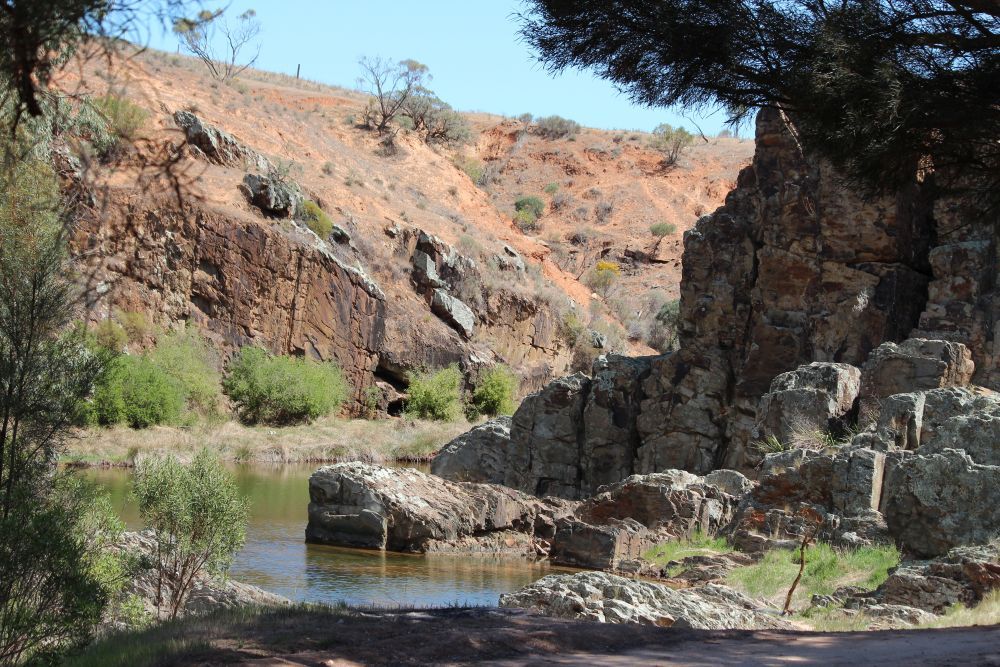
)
(479, 455)
(218, 146)
(273, 196)
(609, 598)
(916, 364)
(402, 509)
(965, 575)
(602, 546)
(455, 313)
(544, 453)
(935, 502)
(809, 399)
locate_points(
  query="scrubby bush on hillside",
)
(110, 335)
(556, 127)
(268, 389)
(472, 167)
(532, 204)
(124, 120)
(670, 142)
(494, 393)
(661, 229)
(435, 395)
(551, 188)
(434, 119)
(663, 330)
(603, 276)
(603, 211)
(526, 221)
(316, 219)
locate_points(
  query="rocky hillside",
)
(423, 267)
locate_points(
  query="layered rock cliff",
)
(796, 267)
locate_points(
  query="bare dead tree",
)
(200, 35)
(390, 86)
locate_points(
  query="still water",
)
(277, 559)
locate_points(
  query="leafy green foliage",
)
(435, 395)
(532, 204)
(199, 519)
(664, 330)
(137, 392)
(526, 220)
(316, 219)
(494, 393)
(190, 361)
(571, 328)
(53, 587)
(268, 389)
(551, 188)
(556, 127)
(110, 335)
(174, 381)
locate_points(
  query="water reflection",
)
(277, 559)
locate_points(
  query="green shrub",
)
(571, 328)
(603, 276)
(316, 219)
(198, 517)
(124, 120)
(551, 188)
(494, 394)
(110, 335)
(661, 229)
(472, 168)
(670, 141)
(435, 395)
(137, 392)
(268, 389)
(136, 325)
(526, 221)
(533, 204)
(556, 127)
(191, 362)
(525, 118)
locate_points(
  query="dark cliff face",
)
(798, 267)
(240, 282)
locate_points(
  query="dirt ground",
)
(502, 637)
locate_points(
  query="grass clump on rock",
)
(435, 395)
(268, 389)
(698, 544)
(316, 219)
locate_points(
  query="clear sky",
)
(470, 46)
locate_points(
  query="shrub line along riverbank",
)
(328, 440)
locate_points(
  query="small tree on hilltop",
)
(199, 518)
(199, 34)
(670, 142)
(390, 85)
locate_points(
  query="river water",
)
(277, 559)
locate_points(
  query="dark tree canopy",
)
(876, 86)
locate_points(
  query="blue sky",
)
(471, 48)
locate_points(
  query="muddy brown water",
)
(277, 559)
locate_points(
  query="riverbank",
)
(311, 635)
(327, 440)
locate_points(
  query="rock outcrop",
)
(609, 598)
(366, 506)
(939, 501)
(240, 281)
(574, 436)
